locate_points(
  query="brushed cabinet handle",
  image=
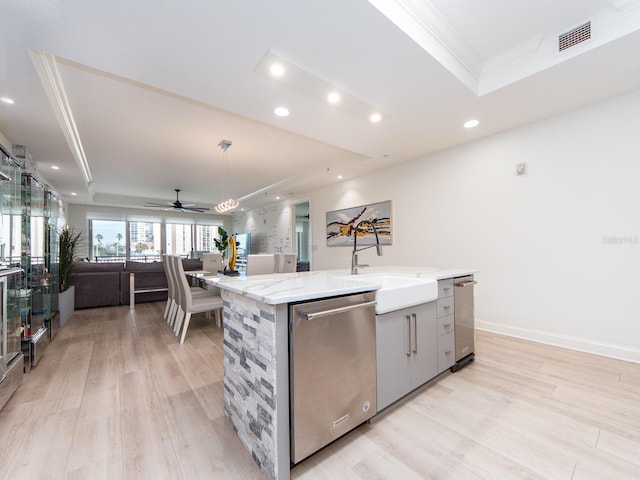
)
(333, 311)
(409, 329)
(415, 333)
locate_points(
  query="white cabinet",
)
(445, 324)
(407, 351)
(445, 306)
(445, 319)
(445, 288)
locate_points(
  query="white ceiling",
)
(154, 86)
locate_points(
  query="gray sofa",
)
(96, 284)
(107, 284)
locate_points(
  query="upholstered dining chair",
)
(174, 289)
(286, 262)
(212, 262)
(169, 309)
(260, 264)
(191, 303)
(278, 258)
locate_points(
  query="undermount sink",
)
(398, 292)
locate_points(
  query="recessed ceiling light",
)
(307, 83)
(281, 111)
(471, 123)
(277, 198)
(73, 194)
(55, 167)
(333, 97)
(375, 117)
(7, 100)
(339, 177)
(276, 69)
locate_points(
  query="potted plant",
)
(222, 244)
(68, 247)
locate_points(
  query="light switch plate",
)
(521, 168)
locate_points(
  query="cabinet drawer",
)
(444, 307)
(446, 351)
(445, 325)
(445, 288)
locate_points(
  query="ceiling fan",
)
(178, 205)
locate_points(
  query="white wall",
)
(271, 227)
(5, 141)
(557, 249)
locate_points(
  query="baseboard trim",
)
(574, 343)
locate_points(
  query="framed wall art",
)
(343, 225)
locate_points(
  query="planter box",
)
(66, 303)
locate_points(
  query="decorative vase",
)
(66, 303)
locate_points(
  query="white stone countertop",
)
(281, 288)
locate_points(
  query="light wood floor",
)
(115, 396)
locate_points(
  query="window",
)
(115, 241)
(37, 239)
(145, 240)
(205, 234)
(108, 242)
(178, 239)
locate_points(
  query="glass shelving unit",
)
(29, 220)
(11, 329)
(51, 288)
(35, 274)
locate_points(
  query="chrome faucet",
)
(354, 255)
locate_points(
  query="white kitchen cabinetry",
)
(407, 351)
(445, 320)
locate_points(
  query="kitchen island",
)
(256, 350)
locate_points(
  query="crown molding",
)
(424, 24)
(624, 5)
(46, 67)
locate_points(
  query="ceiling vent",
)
(573, 37)
(19, 151)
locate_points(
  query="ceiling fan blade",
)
(177, 205)
(195, 209)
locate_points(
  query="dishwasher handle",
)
(333, 311)
(466, 284)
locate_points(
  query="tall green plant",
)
(68, 244)
(223, 241)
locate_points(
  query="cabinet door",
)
(445, 325)
(393, 357)
(445, 288)
(445, 306)
(446, 350)
(425, 344)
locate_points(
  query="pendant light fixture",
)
(229, 204)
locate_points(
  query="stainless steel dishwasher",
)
(333, 369)
(464, 321)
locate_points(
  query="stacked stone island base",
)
(256, 379)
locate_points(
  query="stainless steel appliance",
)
(333, 369)
(464, 321)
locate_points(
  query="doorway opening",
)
(302, 229)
